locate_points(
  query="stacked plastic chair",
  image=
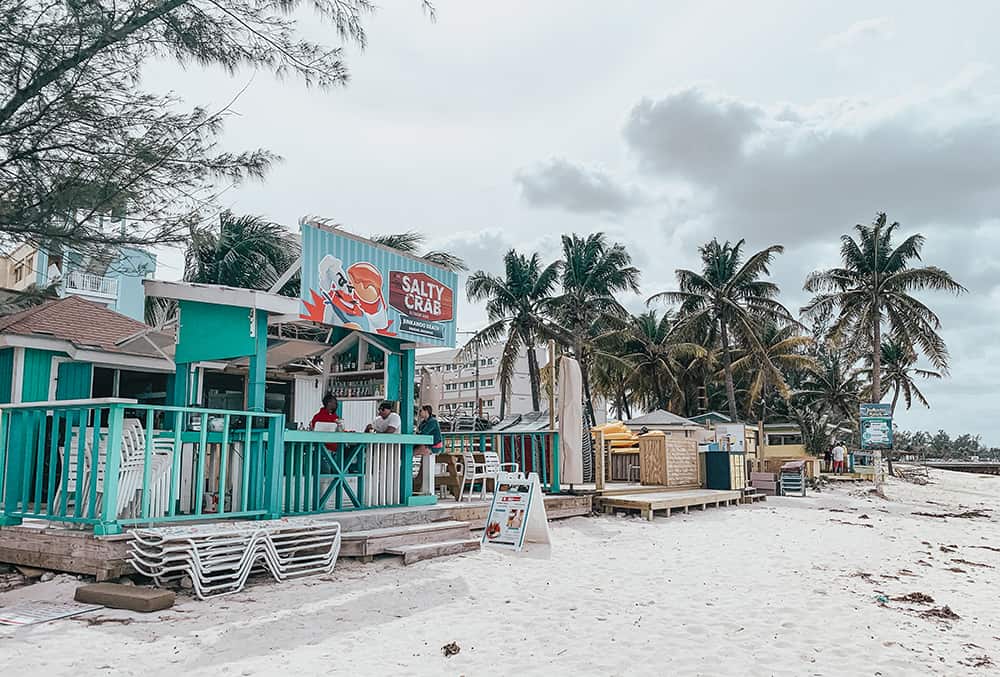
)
(218, 558)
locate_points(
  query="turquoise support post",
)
(556, 472)
(407, 376)
(8, 434)
(177, 395)
(257, 378)
(108, 525)
(274, 470)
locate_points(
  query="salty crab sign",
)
(421, 296)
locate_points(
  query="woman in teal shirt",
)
(428, 425)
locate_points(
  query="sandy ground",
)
(788, 587)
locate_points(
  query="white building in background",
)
(460, 380)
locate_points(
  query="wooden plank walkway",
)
(46, 546)
(668, 501)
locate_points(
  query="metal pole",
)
(479, 402)
(552, 384)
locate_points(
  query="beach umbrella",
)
(570, 409)
(431, 388)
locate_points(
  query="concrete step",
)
(373, 542)
(418, 553)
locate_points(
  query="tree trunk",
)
(895, 398)
(727, 363)
(877, 357)
(534, 376)
(628, 410)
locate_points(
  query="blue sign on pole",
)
(876, 426)
(351, 282)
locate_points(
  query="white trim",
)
(95, 355)
(222, 296)
(286, 276)
(17, 380)
(91, 402)
(54, 375)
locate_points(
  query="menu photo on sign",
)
(517, 515)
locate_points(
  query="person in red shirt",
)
(328, 414)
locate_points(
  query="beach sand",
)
(793, 586)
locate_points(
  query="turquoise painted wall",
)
(213, 332)
(37, 374)
(130, 269)
(73, 380)
(6, 374)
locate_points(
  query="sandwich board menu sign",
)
(517, 515)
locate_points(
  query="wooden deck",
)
(42, 545)
(668, 501)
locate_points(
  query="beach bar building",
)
(101, 461)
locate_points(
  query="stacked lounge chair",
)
(219, 558)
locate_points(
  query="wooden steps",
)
(418, 553)
(366, 544)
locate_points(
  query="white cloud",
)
(866, 30)
(558, 183)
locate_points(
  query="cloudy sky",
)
(663, 124)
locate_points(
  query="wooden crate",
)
(621, 461)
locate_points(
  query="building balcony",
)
(93, 286)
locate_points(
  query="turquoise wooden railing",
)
(114, 463)
(536, 451)
(362, 470)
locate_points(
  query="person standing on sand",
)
(839, 454)
(828, 458)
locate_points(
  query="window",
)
(468, 384)
(451, 386)
(487, 403)
(783, 440)
(18, 272)
(486, 382)
(482, 362)
(491, 361)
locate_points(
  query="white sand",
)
(771, 589)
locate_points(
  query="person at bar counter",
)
(428, 425)
(387, 421)
(327, 414)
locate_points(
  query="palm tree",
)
(245, 251)
(899, 374)
(412, 242)
(593, 273)
(729, 300)
(654, 354)
(873, 288)
(516, 306)
(784, 353)
(835, 387)
(29, 297)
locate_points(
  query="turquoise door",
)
(73, 380)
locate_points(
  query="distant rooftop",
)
(660, 417)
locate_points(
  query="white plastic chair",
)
(487, 470)
(130, 471)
